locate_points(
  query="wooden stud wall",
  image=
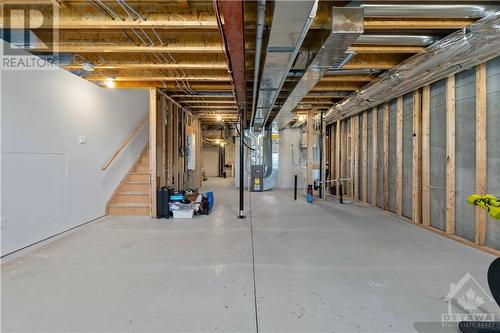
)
(374, 157)
(364, 149)
(417, 158)
(356, 157)
(481, 152)
(399, 157)
(426, 155)
(386, 156)
(450, 155)
(152, 150)
(421, 157)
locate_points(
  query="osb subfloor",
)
(316, 268)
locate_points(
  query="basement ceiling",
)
(176, 46)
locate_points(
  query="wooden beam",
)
(426, 155)
(369, 49)
(152, 66)
(191, 49)
(76, 23)
(152, 150)
(481, 152)
(450, 155)
(374, 61)
(161, 78)
(353, 153)
(386, 155)
(415, 24)
(417, 158)
(399, 157)
(374, 170)
(171, 86)
(338, 145)
(364, 149)
(347, 78)
(356, 157)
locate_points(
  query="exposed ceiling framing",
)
(175, 45)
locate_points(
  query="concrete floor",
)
(318, 268)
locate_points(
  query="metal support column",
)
(242, 164)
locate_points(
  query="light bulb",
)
(219, 117)
(110, 83)
(302, 118)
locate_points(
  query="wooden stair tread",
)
(133, 193)
(129, 204)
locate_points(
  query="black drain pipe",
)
(321, 156)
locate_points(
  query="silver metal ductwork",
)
(463, 49)
(347, 26)
(261, 18)
(291, 22)
(429, 10)
(414, 40)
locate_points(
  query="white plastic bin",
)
(183, 213)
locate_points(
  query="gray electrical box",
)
(256, 177)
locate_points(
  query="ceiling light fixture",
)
(219, 117)
(302, 118)
(110, 83)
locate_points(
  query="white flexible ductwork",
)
(463, 49)
(429, 10)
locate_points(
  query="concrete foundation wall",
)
(493, 139)
(380, 157)
(437, 170)
(392, 155)
(407, 154)
(461, 175)
(465, 154)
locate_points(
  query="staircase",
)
(132, 197)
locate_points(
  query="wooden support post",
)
(356, 157)
(152, 150)
(386, 156)
(163, 136)
(353, 153)
(481, 151)
(399, 156)
(170, 147)
(374, 170)
(338, 142)
(450, 155)
(426, 155)
(175, 143)
(310, 140)
(364, 148)
(417, 158)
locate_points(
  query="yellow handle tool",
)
(488, 202)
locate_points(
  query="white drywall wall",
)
(289, 153)
(210, 160)
(50, 182)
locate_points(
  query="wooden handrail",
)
(117, 152)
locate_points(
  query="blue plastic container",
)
(210, 197)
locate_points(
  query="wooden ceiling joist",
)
(95, 48)
(161, 78)
(152, 66)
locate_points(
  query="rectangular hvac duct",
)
(347, 26)
(291, 21)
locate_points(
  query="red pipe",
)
(233, 37)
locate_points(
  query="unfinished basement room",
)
(250, 166)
